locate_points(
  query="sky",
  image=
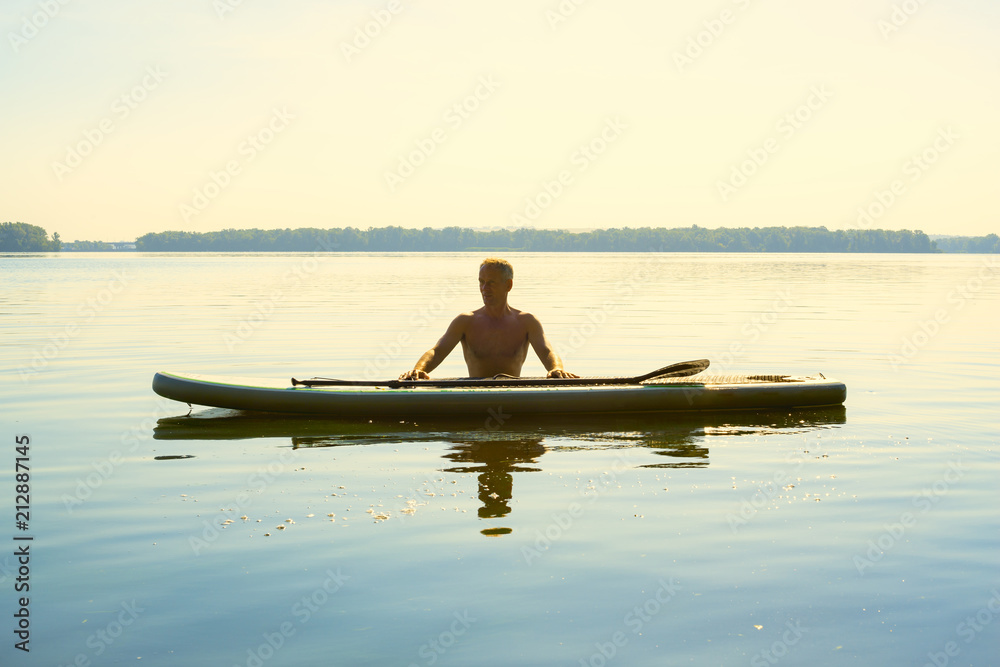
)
(120, 118)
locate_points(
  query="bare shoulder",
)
(458, 327)
(528, 320)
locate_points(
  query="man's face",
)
(492, 284)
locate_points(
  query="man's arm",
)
(433, 357)
(546, 354)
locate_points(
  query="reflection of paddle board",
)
(731, 392)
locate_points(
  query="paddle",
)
(682, 369)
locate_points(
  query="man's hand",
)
(560, 373)
(415, 375)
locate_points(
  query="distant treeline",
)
(88, 246)
(22, 237)
(97, 246)
(689, 239)
(975, 244)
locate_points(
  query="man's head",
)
(502, 264)
(496, 277)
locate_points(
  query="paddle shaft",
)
(682, 369)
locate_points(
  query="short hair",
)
(502, 264)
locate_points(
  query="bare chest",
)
(490, 339)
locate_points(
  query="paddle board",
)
(703, 392)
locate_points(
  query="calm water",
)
(867, 535)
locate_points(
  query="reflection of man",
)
(496, 461)
(494, 338)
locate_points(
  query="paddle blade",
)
(678, 370)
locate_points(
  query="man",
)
(494, 338)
